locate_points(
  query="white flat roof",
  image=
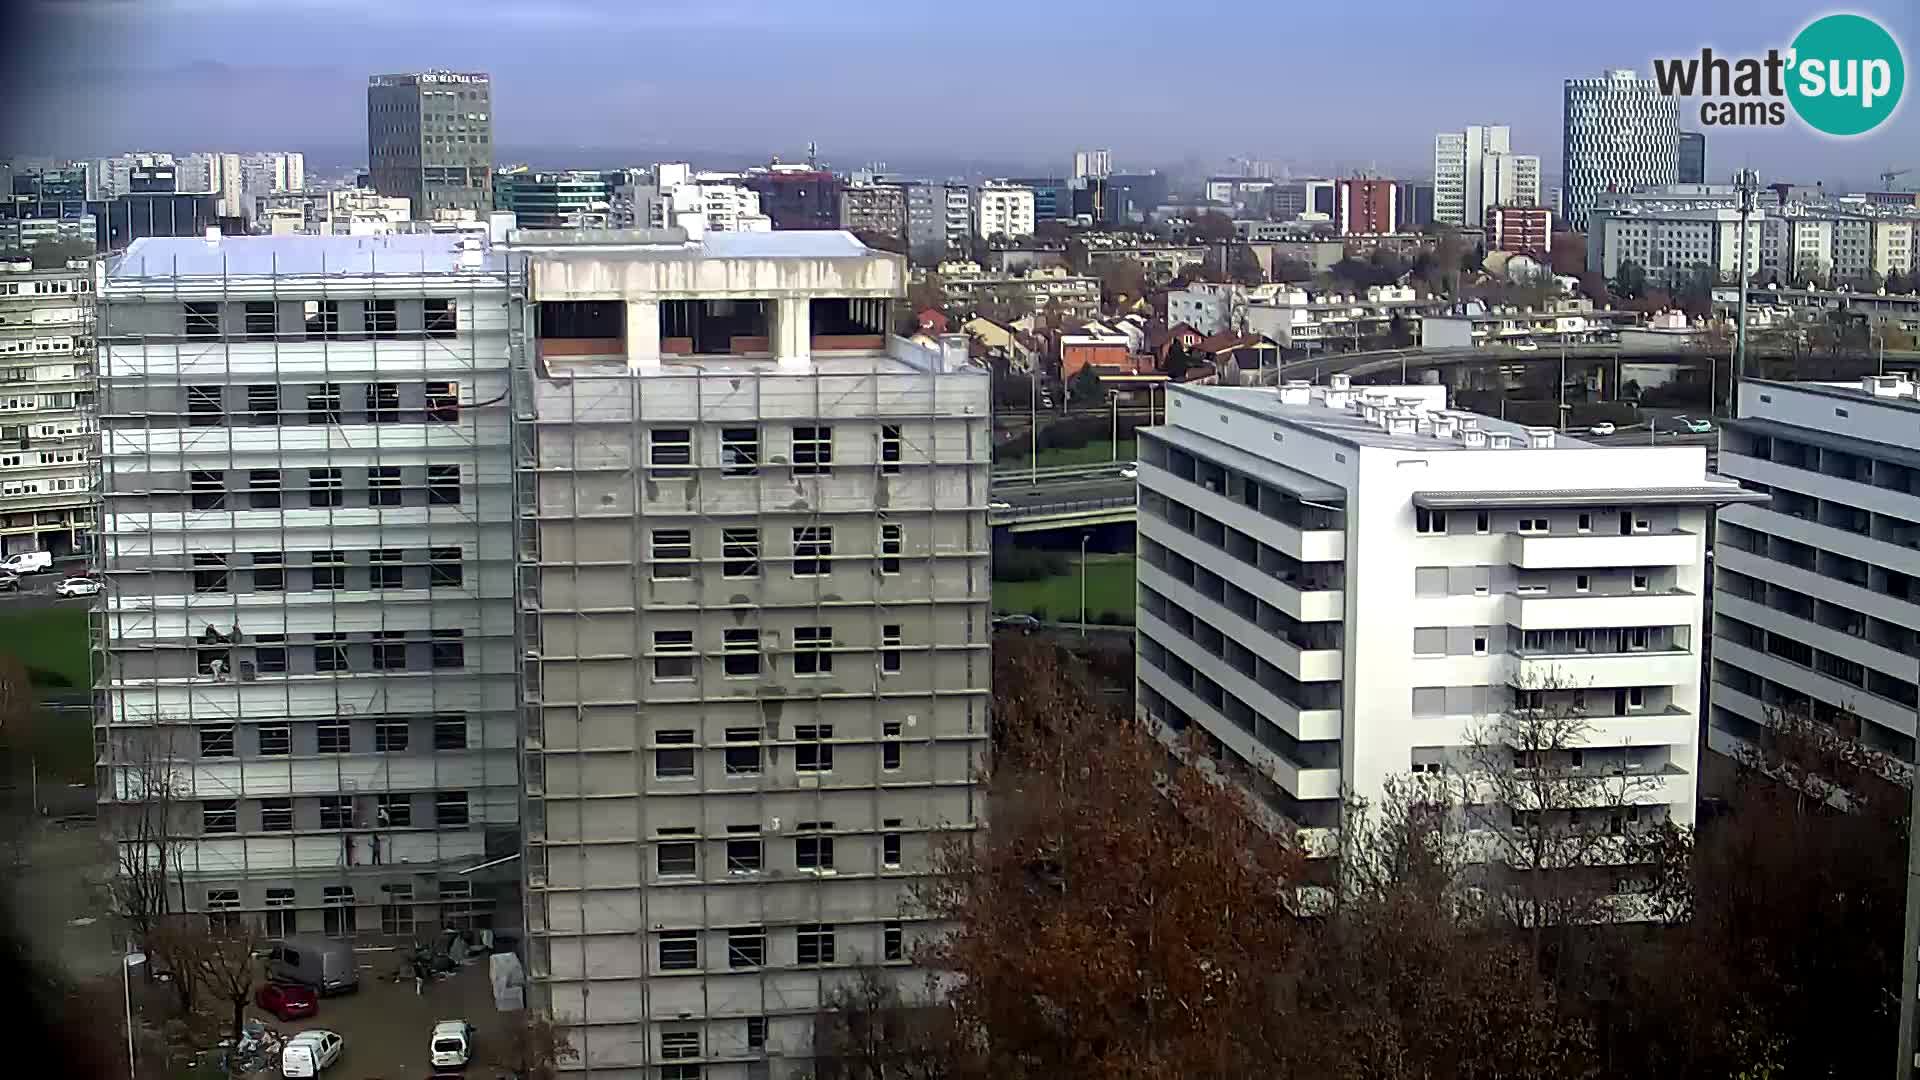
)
(261, 256)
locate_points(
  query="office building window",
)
(670, 452)
(207, 490)
(204, 406)
(383, 318)
(890, 749)
(276, 815)
(322, 318)
(892, 540)
(442, 318)
(891, 445)
(890, 844)
(390, 651)
(450, 808)
(336, 811)
(672, 554)
(219, 816)
(811, 645)
(450, 732)
(261, 323)
(393, 811)
(743, 855)
(443, 401)
(209, 573)
(893, 941)
(333, 737)
(323, 404)
(812, 451)
(202, 320)
(673, 756)
(383, 402)
(383, 485)
(276, 740)
(325, 487)
(679, 950)
(675, 1045)
(813, 852)
(813, 751)
(743, 751)
(443, 485)
(263, 405)
(676, 859)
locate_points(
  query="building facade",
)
(756, 616)
(796, 196)
(1368, 207)
(1527, 230)
(874, 208)
(1097, 164)
(563, 200)
(304, 657)
(959, 219)
(1619, 133)
(926, 223)
(1475, 169)
(48, 448)
(1340, 585)
(1003, 209)
(1816, 601)
(430, 139)
(1692, 167)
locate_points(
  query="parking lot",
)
(36, 590)
(386, 1027)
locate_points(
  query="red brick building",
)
(1368, 206)
(1523, 230)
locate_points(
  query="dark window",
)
(449, 649)
(812, 451)
(672, 554)
(329, 570)
(208, 490)
(442, 317)
(322, 318)
(443, 485)
(673, 654)
(756, 1033)
(387, 570)
(263, 405)
(209, 573)
(679, 950)
(390, 736)
(276, 740)
(890, 750)
(333, 737)
(893, 941)
(390, 651)
(383, 403)
(204, 407)
(219, 816)
(449, 808)
(743, 760)
(276, 815)
(323, 403)
(329, 654)
(814, 752)
(216, 740)
(449, 733)
(747, 947)
(816, 943)
(383, 317)
(393, 811)
(810, 650)
(890, 649)
(743, 855)
(261, 322)
(383, 485)
(443, 402)
(269, 572)
(670, 452)
(203, 320)
(890, 447)
(673, 758)
(740, 553)
(676, 859)
(325, 487)
(892, 540)
(263, 488)
(812, 550)
(675, 1045)
(740, 451)
(444, 567)
(336, 811)
(890, 844)
(740, 648)
(813, 852)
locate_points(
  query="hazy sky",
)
(1313, 85)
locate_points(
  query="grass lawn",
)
(1109, 589)
(49, 639)
(1094, 453)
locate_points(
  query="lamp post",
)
(1084, 535)
(1114, 397)
(1033, 419)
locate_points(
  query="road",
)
(36, 590)
(1055, 492)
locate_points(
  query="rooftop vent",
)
(1469, 423)
(1340, 382)
(1540, 438)
(1444, 426)
(1474, 438)
(1339, 399)
(213, 236)
(1296, 392)
(1893, 385)
(1499, 440)
(1401, 422)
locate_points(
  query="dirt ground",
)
(60, 895)
(386, 1027)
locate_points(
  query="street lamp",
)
(1085, 534)
(127, 963)
(1114, 397)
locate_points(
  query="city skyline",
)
(181, 90)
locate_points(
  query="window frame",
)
(812, 446)
(671, 456)
(812, 551)
(685, 950)
(813, 748)
(445, 814)
(892, 449)
(740, 652)
(333, 736)
(740, 553)
(670, 554)
(739, 455)
(814, 944)
(746, 948)
(812, 651)
(219, 817)
(675, 658)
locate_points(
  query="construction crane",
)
(1887, 178)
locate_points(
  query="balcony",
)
(1530, 552)
(1598, 612)
(1672, 667)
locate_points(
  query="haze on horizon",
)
(1314, 88)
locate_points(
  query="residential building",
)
(1816, 596)
(1692, 167)
(1206, 306)
(755, 610)
(1669, 244)
(430, 139)
(707, 202)
(1524, 230)
(555, 200)
(1162, 259)
(1097, 164)
(112, 177)
(1294, 318)
(1052, 197)
(1893, 248)
(305, 655)
(1286, 201)
(364, 212)
(1101, 348)
(875, 208)
(48, 449)
(1476, 169)
(1076, 295)
(959, 220)
(796, 196)
(927, 223)
(1368, 206)
(1003, 209)
(1619, 133)
(46, 194)
(1504, 568)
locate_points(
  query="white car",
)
(311, 1052)
(1130, 473)
(452, 1043)
(1601, 429)
(997, 506)
(77, 586)
(1527, 346)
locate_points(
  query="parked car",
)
(78, 586)
(997, 505)
(287, 1001)
(9, 582)
(311, 1052)
(321, 963)
(1602, 428)
(1016, 622)
(1130, 473)
(1697, 427)
(27, 562)
(452, 1043)
(1525, 345)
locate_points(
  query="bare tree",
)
(870, 1031)
(228, 970)
(144, 802)
(1554, 817)
(179, 943)
(533, 1050)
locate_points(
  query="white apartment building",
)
(755, 603)
(1097, 164)
(959, 219)
(1669, 244)
(1893, 249)
(1339, 584)
(1476, 169)
(1816, 601)
(708, 202)
(1618, 133)
(1204, 305)
(47, 441)
(1002, 209)
(364, 212)
(1293, 317)
(304, 658)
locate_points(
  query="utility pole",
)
(1033, 418)
(1747, 182)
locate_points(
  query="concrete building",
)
(796, 196)
(875, 208)
(1476, 169)
(48, 448)
(1096, 164)
(959, 220)
(1338, 584)
(305, 655)
(926, 223)
(362, 212)
(1618, 133)
(1206, 306)
(1692, 167)
(1003, 209)
(707, 202)
(966, 282)
(430, 139)
(1416, 208)
(1294, 318)
(1669, 244)
(555, 200)
(1368, 206)
(119, 221)
(1816, 601)
(756, 620)
(1893, 248)
(1523, 229)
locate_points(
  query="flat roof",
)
(674, 243)
(1352, 428)
(1843, 391)
(262, 256)
(1708, 494)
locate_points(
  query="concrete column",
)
(643, 334)
(791, 331)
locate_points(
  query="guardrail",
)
(1057, 472)
(1070, 508)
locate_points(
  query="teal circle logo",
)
(1847, 75)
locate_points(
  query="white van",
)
(310, 1053)
(27, 562)
(452, 1043)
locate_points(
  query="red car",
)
(287, 1001)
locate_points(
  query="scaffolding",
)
(306, 537)
(904, 591)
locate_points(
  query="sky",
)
(976, 84)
